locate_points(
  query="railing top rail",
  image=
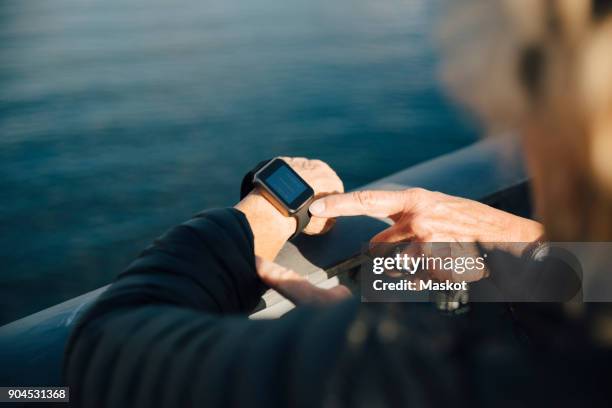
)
(32, 348)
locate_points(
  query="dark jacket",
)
(172, 331)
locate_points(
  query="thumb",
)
(366, 202)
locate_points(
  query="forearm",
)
(205, 264)
(271, 229)
(182, 284)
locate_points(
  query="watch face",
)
(285, 184)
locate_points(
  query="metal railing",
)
(31, 349)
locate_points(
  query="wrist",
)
(270, 228)
(528, 230)
(524, 232)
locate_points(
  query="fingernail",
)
(317, 208)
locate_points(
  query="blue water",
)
(120, 118)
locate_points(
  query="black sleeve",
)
(555, 277)
(172, 331)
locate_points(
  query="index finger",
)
(366, 202)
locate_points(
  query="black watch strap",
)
(247, 184)
(302, 217)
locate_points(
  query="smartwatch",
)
(283, 188)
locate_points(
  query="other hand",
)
(425, 216)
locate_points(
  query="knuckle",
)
(288, 160)
(365, 198)
(436, 207)
(318, 162)
(415, 192)
(419, 224)
(297, 161)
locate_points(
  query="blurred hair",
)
(546, 65)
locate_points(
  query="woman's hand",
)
(295, 287)
(425, 216)
(271, 229)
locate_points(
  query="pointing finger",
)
(366, 202)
